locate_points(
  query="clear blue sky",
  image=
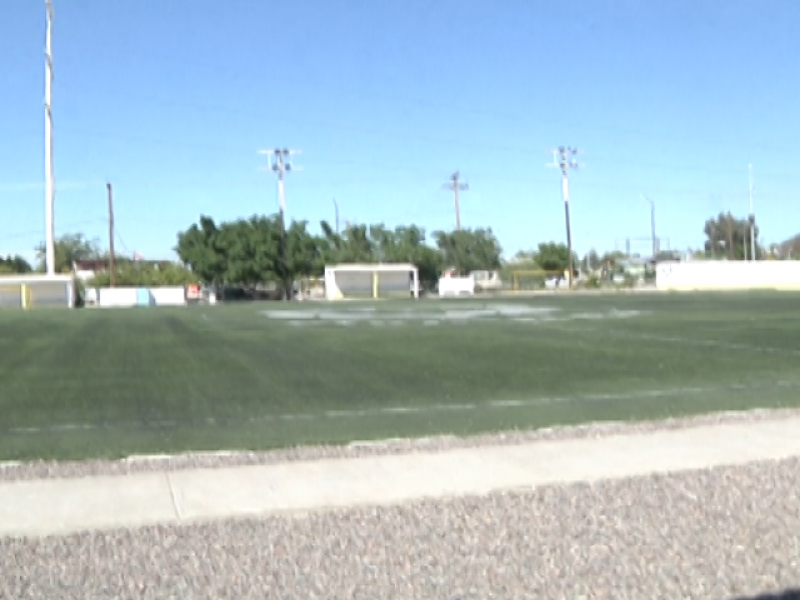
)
(170, 101)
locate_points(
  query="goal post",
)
(371, 281)
(15, 296)
(535, 279)
(35, 291)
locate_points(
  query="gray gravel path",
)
(712, 534)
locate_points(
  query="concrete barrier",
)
(457, 286)
(129, 297)
(728, 275)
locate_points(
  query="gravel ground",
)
(712, 534)
(45, 469)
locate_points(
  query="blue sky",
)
(170, 101)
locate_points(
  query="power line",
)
(564, 159)
(455, 186)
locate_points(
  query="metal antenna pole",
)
(50, 233)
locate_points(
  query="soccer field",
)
(109, 383)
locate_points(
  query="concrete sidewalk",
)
(60, 506)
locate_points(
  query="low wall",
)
(129, 297)
(728, 275)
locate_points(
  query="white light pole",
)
(49, 186)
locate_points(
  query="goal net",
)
(35, 291)
(371, 281)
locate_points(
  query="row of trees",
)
(730, 237)
(252, 251)
(14, 264)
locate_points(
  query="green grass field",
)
(109, 383)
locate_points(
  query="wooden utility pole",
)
(111, 258)
(456, 186)
(564, 159)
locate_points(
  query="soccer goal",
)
(383, 280)
(35, 291)
(537, 280)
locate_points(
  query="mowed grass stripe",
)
(639, 397)
(228, 375)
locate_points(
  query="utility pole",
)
(653, 238)
(731, 247)
(455, 186)
(280, 162)
(564, 159)
(49, 220)
(112, 267)
(336, 212)
(752, 218)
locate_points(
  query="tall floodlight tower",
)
(49, 186)
(280, 163)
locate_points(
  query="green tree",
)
(14, 265)
(591, 262)
(144, 274)
(199, 248)
(665, 255)
(552, 256)
(248, 252)
(69, 248)
(789, 249)
(469, 250)
(406, 244)
(378, 243)
(727, 236)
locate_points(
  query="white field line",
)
(689, 341)
(387, 411)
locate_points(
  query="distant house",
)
(87, 269)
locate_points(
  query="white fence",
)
(729, 275)
(129, 297)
